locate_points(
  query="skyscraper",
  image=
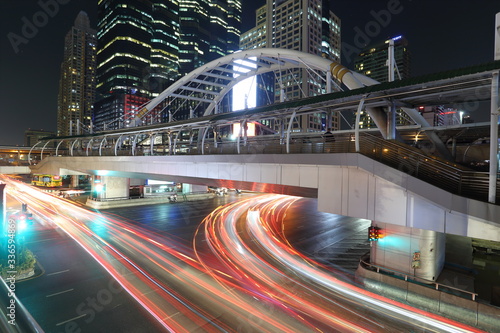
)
(210, 29)
(372, 61)
(137, 58)
(77, 81)
(146, 45)
(303, 25)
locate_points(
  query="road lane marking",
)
(67, 321)
(41, 240)
(116, 306)
(59, 293)
(66, 270)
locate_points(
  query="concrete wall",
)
(14, 170)
(145, 201)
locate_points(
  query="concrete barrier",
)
(473, 313)
(145, 201)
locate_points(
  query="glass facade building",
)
(146, 45)
(303, 25)
(372, 61)
(77, 82)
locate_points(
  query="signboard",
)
(415, 263)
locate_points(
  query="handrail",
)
(413, 277)
(446, 175)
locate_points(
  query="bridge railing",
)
(447, 175)
(365, 262)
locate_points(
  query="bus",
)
(46, 180)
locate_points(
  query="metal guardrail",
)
(14, 317)
(446, 175)
(407, 277)
(449, 176)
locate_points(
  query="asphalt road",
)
(71, 292)
(74, 293)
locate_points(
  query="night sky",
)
(442, 35)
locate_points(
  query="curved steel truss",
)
(206, 86)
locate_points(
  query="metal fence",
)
(447, 175)
(426, 283)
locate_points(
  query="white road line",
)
(42, 240)
(67, 321)
(66, 270)
(59, 293)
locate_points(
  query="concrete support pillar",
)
(74, 181)
(416, 252)
(391, 122)
(493, 172)
(497, 37)
(106, 187)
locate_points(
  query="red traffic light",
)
(374, 233)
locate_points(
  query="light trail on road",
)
(240, 275)
(247, 237)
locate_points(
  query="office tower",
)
(137, 57)
(77, 81)
(373, 61)
(146, 45)
(303, 25)
(209, 29)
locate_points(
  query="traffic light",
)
(20, 219)
(22, 224)
(99, 188)
(374, 233)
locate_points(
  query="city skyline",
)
(31, 54)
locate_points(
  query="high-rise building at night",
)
(146, 45)
(373, 62)
(77, 81)
(210, 29)
(303, 25)
(138, 57)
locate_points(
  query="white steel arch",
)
(211, 82)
